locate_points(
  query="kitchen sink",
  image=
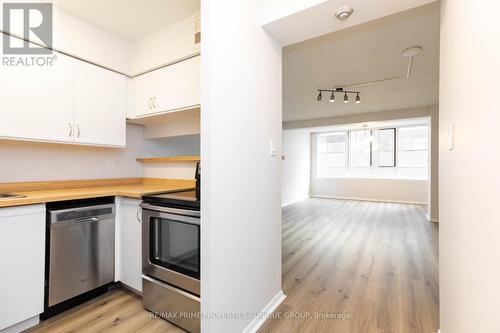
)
(10, 196)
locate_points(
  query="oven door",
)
(171, 247)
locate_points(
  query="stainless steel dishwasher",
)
(80, 251)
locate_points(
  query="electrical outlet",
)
(110, 165)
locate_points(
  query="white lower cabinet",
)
(22, 264)
(128, 243)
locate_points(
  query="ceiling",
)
(316, 17)
(370, 51)
(130, 19)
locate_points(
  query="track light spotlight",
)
(339, 91)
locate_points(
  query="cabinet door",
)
(22, 262)
(129, 243)
(177, 86)
(36, 102)
(100, 106)
(139, 94)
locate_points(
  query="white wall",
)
(25, 161)
(241, 204)
(164, 46)
(469, 231)
(389, 190)
(188, 145)
(177, 123)
(85, 41)
(357, 118)
(433, 183)
(79, 38)
(296, 166)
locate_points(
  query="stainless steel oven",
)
(171, 246)
(171, 257)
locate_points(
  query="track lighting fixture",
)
(340, 91)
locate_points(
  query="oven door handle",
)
(170, 210)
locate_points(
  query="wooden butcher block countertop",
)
(49, 191)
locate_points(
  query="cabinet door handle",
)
(150, 101)
(154, 103)
(78, 130)
(70, 134)
(138, 215)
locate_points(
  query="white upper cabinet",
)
(177, 86)
(69, 102)
(171, 88)
(36, 102)
(100, 106)
(139, 96)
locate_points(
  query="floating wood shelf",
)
(169, 159)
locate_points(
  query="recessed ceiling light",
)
(344, 12)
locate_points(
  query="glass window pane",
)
(359, 149)
(385, 147)
(413, 147)
(331, 153)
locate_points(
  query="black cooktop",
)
(177, 199)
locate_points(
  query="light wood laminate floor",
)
(374, 262)
(118, 311)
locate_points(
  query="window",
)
(390, 153)
(332, 151)
(360, 149)
(386, 147)
(413, 147)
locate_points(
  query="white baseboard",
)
(369, 199)
(295, 201)
(22, 326)
(258, 321)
